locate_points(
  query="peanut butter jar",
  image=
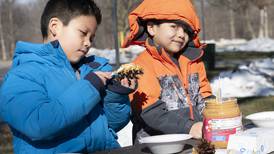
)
(221, 119)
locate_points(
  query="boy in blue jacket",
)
(55, 99)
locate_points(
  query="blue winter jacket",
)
(49, 110)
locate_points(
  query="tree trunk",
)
(266, 30)
(12, 40)
(232, 24)
(249, 25)
(261, 25)
(2, 41)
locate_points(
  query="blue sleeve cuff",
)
(115, 86)
(96, 82)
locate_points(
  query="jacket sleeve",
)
(157, 118)
(26, 107)
(116, 106)
(205, 88)
(117, 110)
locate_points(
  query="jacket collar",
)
(50, 53)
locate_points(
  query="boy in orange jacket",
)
(170, 96)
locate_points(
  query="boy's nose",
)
(181, 32)
(87, 43)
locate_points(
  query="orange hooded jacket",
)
(162, 10)
(163, 80)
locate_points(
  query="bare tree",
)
(7, 28)
(2, 41)
(246, 11)
(10, 4)
(224, 19)
(124, 8)
(233, 6)
(27, 20)
(263, 5)
(104, 37)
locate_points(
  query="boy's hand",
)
(196, 130)
(104, 76)
(129, 83)
(123, 86)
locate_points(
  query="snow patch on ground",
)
(255, 45)
(254, 79)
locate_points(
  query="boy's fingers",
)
(196, 130)
(106, 75)
(133, 83)
(130, 83)
(124, 82)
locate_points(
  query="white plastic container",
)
(262, 119)
(255, 140)
(165, 144)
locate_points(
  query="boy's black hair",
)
(65, 10)
(185, 26)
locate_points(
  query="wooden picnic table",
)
(142, 149)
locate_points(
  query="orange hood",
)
(181, 10)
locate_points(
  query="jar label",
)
(220, 129)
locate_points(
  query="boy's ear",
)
(54, 26)
(151, 29)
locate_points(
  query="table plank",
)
(142, 149)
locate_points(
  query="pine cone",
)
(205, 147)
(129, 71)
